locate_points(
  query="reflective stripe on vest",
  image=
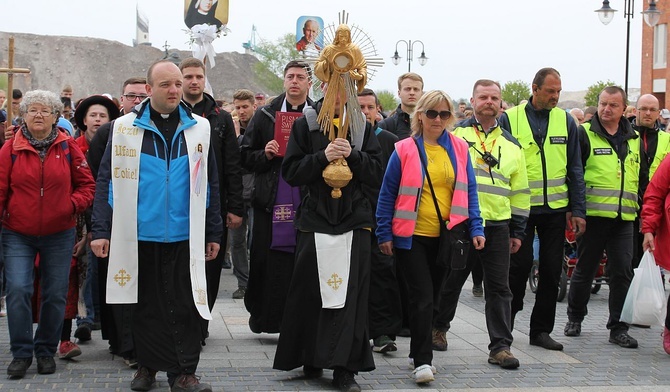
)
(611, 186)
(548, 164)
(411, 184)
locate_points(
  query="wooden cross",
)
(10, 71)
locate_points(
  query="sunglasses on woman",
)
(444, 115)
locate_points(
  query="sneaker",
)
(189, 383)
(312, 372)
(477, 290)
(439, 340)
(3, 307)
(83, 332)
(545, 341)
(505, 359)
(624, 340)
(19, 367)
(384, 344)
(239, 293)
(344, 380)
(573, 328)
(666, 340)
(143, 379)
(411, 366)
(46, 365)
(68, 349)
(423, 374)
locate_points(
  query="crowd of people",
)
(438, 190)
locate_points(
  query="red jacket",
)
(42, 198)
(655, 216)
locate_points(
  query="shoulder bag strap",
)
(430, 184)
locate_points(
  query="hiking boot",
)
(666, 340)
(477, 290)
(239, 293)
(423, 374)
(83, 332)
(311, 371)
(343, 379)
(68, 349)
(545, 341)
(505, 359)
(623, 339)
(384, 344)
(46, 365)
(19, 367)
(439, 340)
(143, 380)
(189, 383)
(573, 328)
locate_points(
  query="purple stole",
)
(283, 214)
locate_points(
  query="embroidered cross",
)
(282, 213)
(335, 281)
(122, 277)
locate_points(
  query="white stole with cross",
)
(122, 278)
(333, 256)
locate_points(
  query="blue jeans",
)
(91, 279)
(55, 252)
(237, 242)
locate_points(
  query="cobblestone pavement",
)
(235, 359)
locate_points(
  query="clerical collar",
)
(292, 108)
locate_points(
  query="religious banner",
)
(310, 28)
(208, 12)
(283, 124)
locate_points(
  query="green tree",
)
(273, 57)
(592, 93)
(387, 100)
(515, 91)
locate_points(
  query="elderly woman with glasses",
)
(428, 172)
(39, 202)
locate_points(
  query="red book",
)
(283, 124)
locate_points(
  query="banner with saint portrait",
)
(209, 12)
(310, 31)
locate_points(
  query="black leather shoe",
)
(19, 367)
(46, 365)
(312, 372)
(573, 328)
(623, 339)
(545, 341)
(344, 380)
(189, 383)
(143, 380)
(83, 332)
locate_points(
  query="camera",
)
(489, 159)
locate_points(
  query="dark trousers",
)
(551, 232)
(616, 237)
(494, 259)
(424, 279)
(384, 310)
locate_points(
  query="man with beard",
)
(159, 162)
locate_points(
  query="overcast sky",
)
(464, 40)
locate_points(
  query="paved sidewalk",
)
(235, 359)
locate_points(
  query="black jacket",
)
(259, 132)
(227, 153)
(303, 165)
(397, 123)
(648, 147)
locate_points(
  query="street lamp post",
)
(651, 17)
(410, 50)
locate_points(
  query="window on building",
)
(660, 46)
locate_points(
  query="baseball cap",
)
(665, 113)
(260, 95)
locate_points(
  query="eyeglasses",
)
(652, 110)
(43, 112)
(432, 114)
(133, 97)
